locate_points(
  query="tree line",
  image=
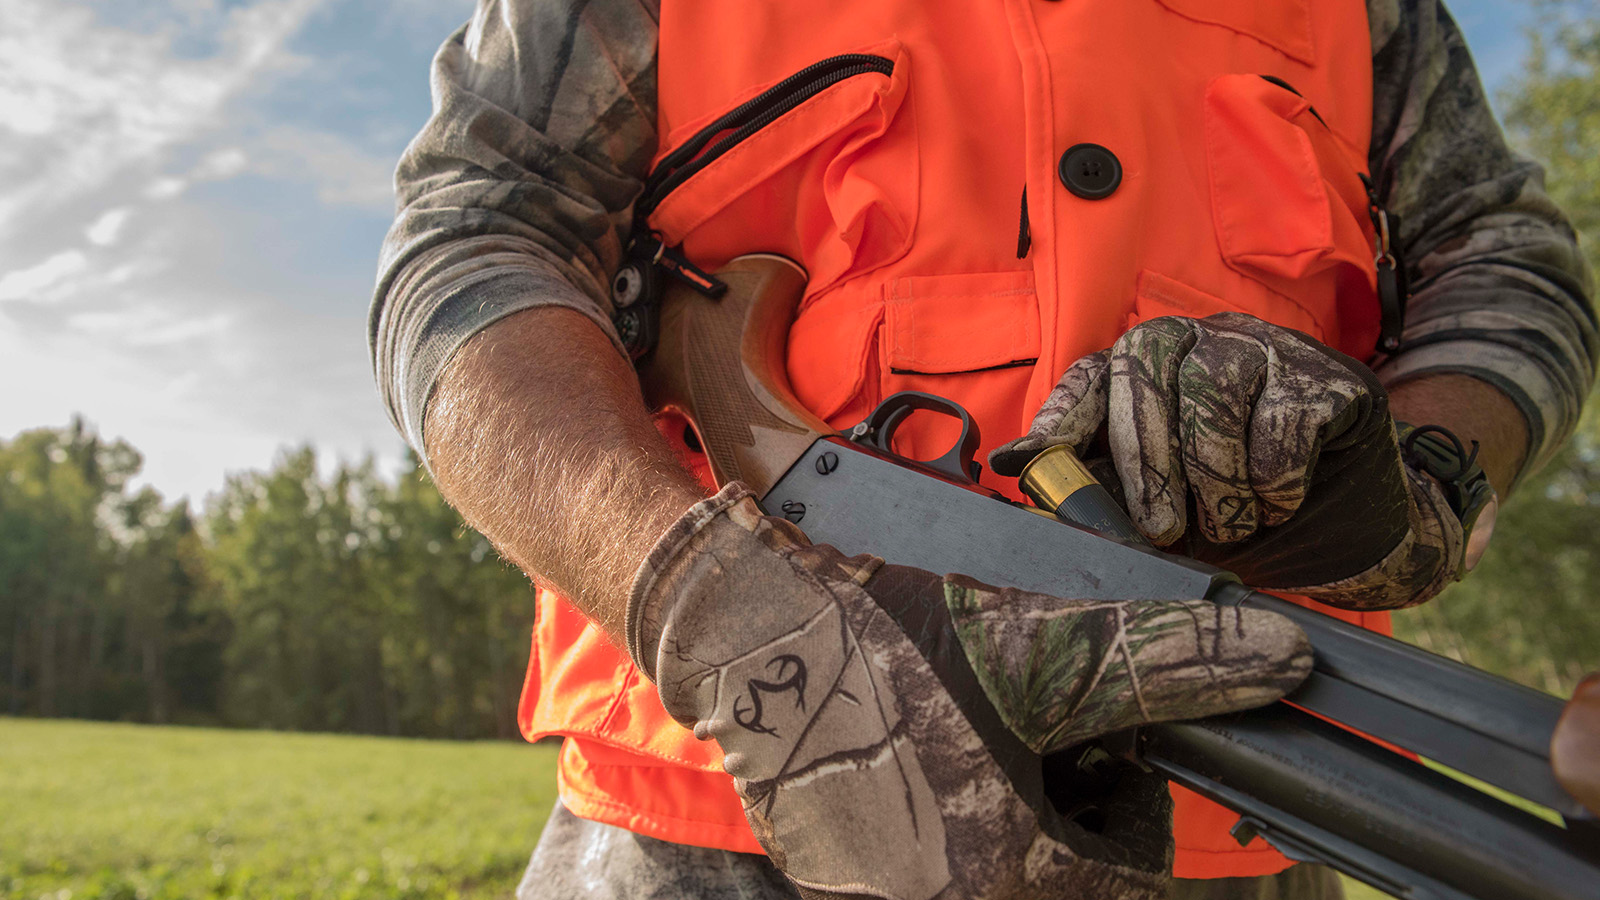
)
(350, 602)
(293, 601)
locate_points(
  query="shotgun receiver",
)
(1312, 789)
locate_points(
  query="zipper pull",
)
(676, 264)
(1393, 291)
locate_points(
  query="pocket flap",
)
(831, 348)
(1157, 296)
(1281, 24)
(941, 324)
(1285, 198)
(1270, 205)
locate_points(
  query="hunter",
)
(1200, 241)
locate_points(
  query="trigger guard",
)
(877, 431)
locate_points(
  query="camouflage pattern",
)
(1501, 291)
(1238, 412)
(518, 193)
(1062, 671)
(1230, 407)
(580, 859)
(519, 190)
(870, 758)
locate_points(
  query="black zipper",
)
(1290, 88)
(750, 117)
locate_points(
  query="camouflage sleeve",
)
(1501, 290)
(516, 193)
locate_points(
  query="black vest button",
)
(1090, 171)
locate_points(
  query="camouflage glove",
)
(1258, 449)
(883, 724)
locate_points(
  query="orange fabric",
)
(900, 194)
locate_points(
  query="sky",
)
(192, 195)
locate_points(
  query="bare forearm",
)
(1473, 410)
(537, 433)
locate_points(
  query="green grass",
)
(1355, 890)
(127, 812)
(131, 812)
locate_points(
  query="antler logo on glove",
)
(786, 666)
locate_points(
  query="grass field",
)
(127, 812)
(94, 811)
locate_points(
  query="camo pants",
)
(581, 860)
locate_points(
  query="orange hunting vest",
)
(1180, 157)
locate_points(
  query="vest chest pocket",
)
(1289, 206)
(973, 338)
(944, 324)
(821, 167)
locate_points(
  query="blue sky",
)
(192, 194)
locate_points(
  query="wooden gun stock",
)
(721, 363)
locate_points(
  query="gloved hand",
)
(1286, 446)
(884, 724)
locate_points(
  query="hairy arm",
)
(558, 464)
(490, 328)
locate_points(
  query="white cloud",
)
(73, 277)
(43, 280)
(342, 173)
(151, 326)
(220, 165)
(201, 383)
(187, 447)
(165, 188)
(86, 101)
(161, 339)
(196, 323)
(107, 229)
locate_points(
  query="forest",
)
(297, 602)
(346, 601)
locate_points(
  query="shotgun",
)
(1314, 790)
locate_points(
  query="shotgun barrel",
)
(1313, 789)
